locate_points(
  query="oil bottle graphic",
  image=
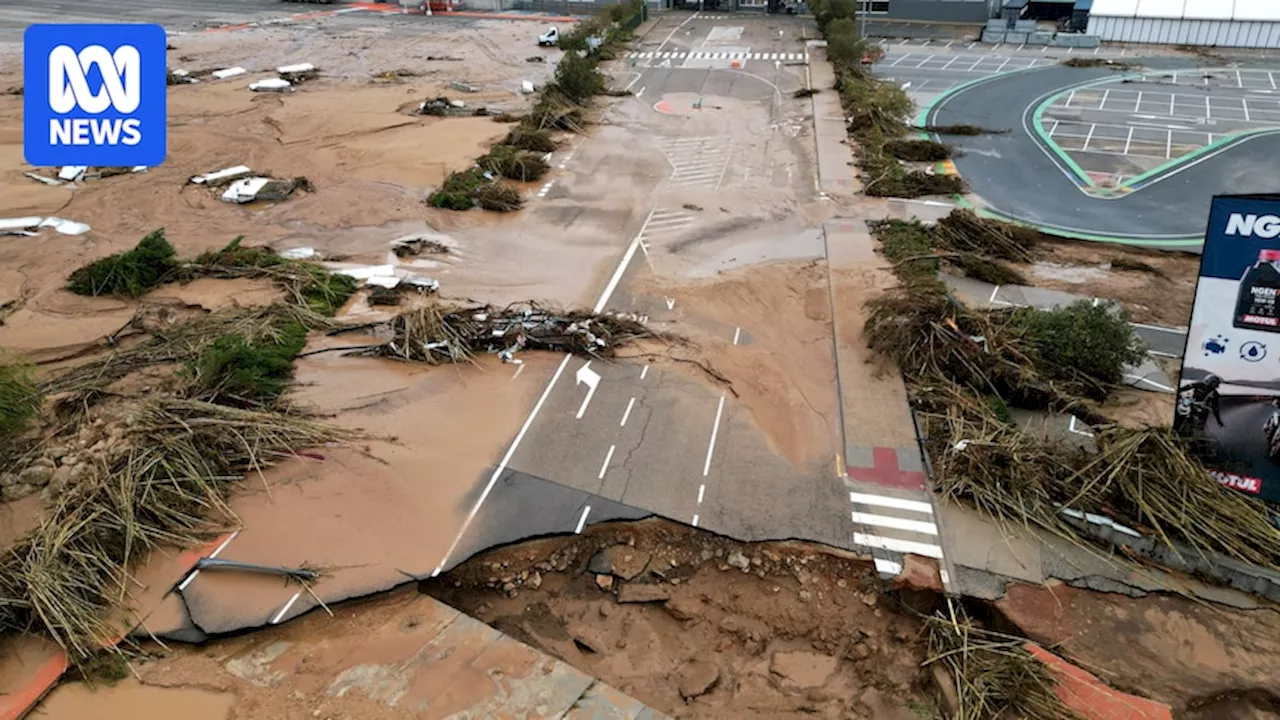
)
(1256, 305)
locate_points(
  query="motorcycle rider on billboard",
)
(1195, 401)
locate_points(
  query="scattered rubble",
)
(252, 189)
(413, 245)
(443, 106)
(219, 178)
(68, 174)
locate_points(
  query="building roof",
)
(1243, 10)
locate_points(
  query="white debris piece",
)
(364, 272)
(229, 72)
(140, 168)
(423, 284)
(43, 179)
(19, 226)
(243, 191)
(526, 87)
(72, 173)
(231, 173)
(180, 72)
(299, 68)
(386, 281)
(302, 253)
(457, 103)
(271, 85)
(65, 227)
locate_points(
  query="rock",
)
(706, 555)
(623, 561)
(37, 475)
(57, 452)
(604, 610)
(588, 640)
(7, 479)
(508, 586)
(919, 574)
(63, 476)
(869, 599)
(802, 669)
(755, 561)
(697, 678)
(642, 593)
(682, 608)
(604, 582)
(946, 689)
(805, 596)
(738, 560)
(535, 581)
(70, 459)
(43, 462)
(860, 651)
(18, 491)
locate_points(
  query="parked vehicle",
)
(550, 38)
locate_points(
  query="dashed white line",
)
(695, 521)
(644, 371)
(519, 369)
(216, 551)
(280, 615)
(627, 413)
(582, 521)
(702, 489)
(715, 430)
(736, 333)
(604, 467)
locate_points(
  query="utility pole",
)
(862, 19)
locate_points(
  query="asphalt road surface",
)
(1018, 176)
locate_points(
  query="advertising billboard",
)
(1229, 391)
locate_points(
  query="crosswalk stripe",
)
(902, 546)
(916, 526)
(891, 502)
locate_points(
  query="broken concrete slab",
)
(463, 86)
(300, 253)
(30, 226)
(624, 561)
(271, 85)
(228, 72)
(259, 188)
(65, 227)
(218, 178)
(803, 669)
(697, 678)
(43, 179)
(71, 173)
(643, 593)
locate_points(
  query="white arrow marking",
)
(586, 375)
(671, 303)
(777, 64)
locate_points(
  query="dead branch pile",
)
(991, 676)
(304, 284)
(176, 342)
(444, 333)
(1144, 479)
(964, 231)
(161, 482)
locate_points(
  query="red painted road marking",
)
(886, 472)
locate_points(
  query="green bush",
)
(130, 273)
(845, 49)
(918, 150)
(530, 139)
(19, 399)
(459, 190)
(1093, 340)
(327, 291)
(250, 371)
(576, 76)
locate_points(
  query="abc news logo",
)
(69, 90)
(96, 95)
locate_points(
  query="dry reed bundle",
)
(164, 483)
(964, 231)
(993, 676)
(305, 284)
(445, 333)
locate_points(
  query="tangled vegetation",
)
(304, 284)
(877, 111)
(127, 274)
(243, 371)
(20, 399)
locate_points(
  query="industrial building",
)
(1205, 23)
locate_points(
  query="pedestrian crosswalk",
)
(697, 162)
(663, 223)
(891, 526)
(706, 55)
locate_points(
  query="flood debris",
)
(30, 226)
(442, 106)
(180, 77)
(444, 332)
(271, 85)
(228, 72)
(417, 245)
(252, 189)
(219, 178)
(69, 174)
(397, 75)
(298, 73)
(464, 86)
(298, 573)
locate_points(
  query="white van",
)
(549, 38)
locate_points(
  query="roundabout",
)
(1131, 158)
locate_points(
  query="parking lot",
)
(1118, 131)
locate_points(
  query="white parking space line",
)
(922, 62)
(280, 615)
(1006, 62)
(1089, 137)
(1129, 140)
(895, 62)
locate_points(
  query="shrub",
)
(327, 291)
(513, 163)
(459, 190)
(918, 150)
(19, 399)
(577, 78)
(1096, 341)
(130, 273)
(530, 139)
(250, 371)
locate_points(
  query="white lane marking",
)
(582, 520)
(502, 465)
(888, 567)
(591, 379)
(918, 526)
(1152, 383)
(216, 551)
(695, 520)
(622, 268)
(608, 456)
(902, 546)
(627, 413)
(671, 303)
(1072, 428)
(639, 92)
(711, 446)
(519, 369)
(702, 489)
(736, 333)
(280, 615)
(644, 371)
(891, 502)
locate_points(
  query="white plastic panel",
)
(1114, 8)
(1161, 8)
(1209, 9)
(1257, 10)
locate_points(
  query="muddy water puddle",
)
(131, 700)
